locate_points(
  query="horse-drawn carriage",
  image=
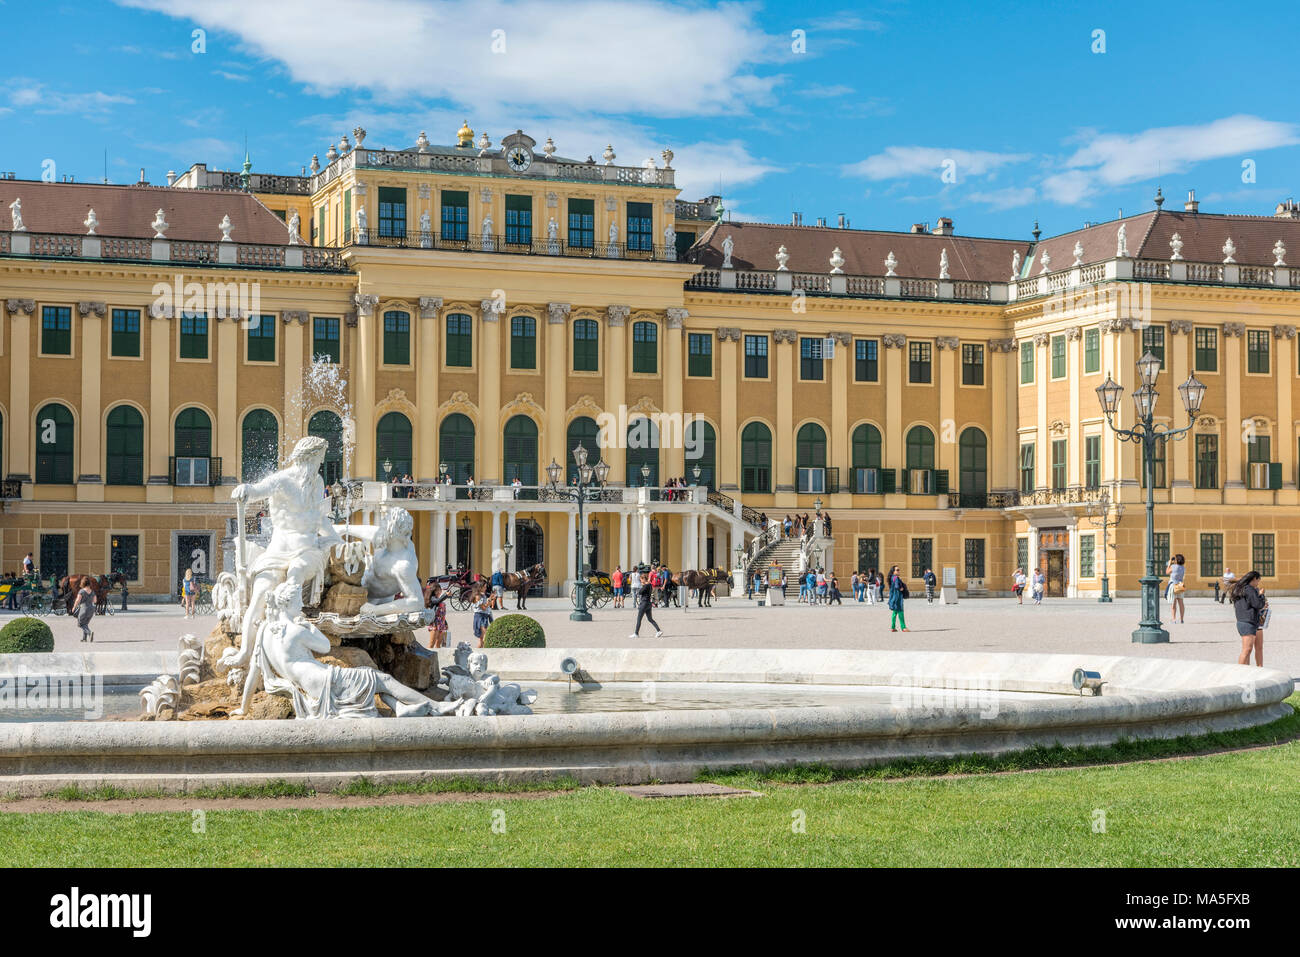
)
(460, 586)
(600, 590)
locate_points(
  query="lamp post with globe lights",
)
(1146, 433)
(586, 477)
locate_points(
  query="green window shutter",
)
(940, 481)
(888, 481)
(1275, 475)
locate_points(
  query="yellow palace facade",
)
(464, 315)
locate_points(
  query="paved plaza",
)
(993, 624)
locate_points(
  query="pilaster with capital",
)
(557, 327)
(674, 377)
(614, 368)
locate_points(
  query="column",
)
(512, 555)
(453, 546)
(840, 446)
(615, 368)
(702, 541)
(160, 418)
(894, 454)
(688, 542)
(1126, 375)
(1284, 363)
(439, 543)
(294, 425)
(783, 438)
(728, 444)
(363, 374)
(645, 536)
(673, 378)
(19, 425)
(90, 481)
(426, 389)
(227, 424)
(948, 347)
(1073, 367)
(489, 394)
(569, 551)
(494, 543)
(556, 402)
(1042, 441)
(623, 555)
(1002, 450)
(1181, 454)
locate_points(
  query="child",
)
(482, 614)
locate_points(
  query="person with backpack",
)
(897, 595)
(498, 589)
(930, 581)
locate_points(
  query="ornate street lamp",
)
(645, 475)
(586, 477)
(1146, 433)
(1105, 514)
(695, 474)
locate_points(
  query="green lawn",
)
(1238, 808)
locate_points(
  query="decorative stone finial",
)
(344, 145)
(1078, 253)
(1279, 254)
(315, 163)
(359, 134)
(1176, 244)
(159, 225)
(484, 144)
(782, 257)
(225, 226)
(943, 264)
(837, 262)
(331, 154)
(610, 155)
(1229, 250)
(16, 211)
(91, 222)
(891, 263)
(668, 158)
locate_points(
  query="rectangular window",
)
(1060, 452)
(523, 342)
(866, 360)
(1022, 553)
(1092, 461)
(1211, 554)
(701, 354)
(586, 346)
(974, 558)
(1027, 467)
(810, 359)
(392, 211)
(1087, 556)
(397, 339)
(1058, 357)
(868, 554)
(972, 365)
(455, 215)
(325, 339)
(922, 556)
(645, 348)
(1161, 552)
(56, 330)
(1091, 351)
(755, 357)
(126, 333)
(1153, 341)
(261, 340)
(53, 556)
(1207, 350)
(582, 223)
(918, 362)
(1026, 361)
(519, 220)
(640, 226)
(460, 341)
(124, 556)
(1261, 554)
(1158, 460)
(1207, 461)
(194, 336)
(1257, 347)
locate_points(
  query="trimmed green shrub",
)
(26, 635)
(515, 631)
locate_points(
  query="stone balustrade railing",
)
(374, 493)
(187, 252)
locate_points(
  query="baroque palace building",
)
(470, 313)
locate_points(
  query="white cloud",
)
(820, 90)
(900, 162)
(226, 74)
(657, 57)
(34, 96)
(1116, 159)
(1008, 197)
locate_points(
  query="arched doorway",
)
(530, 543)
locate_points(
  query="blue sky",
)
(995, 114)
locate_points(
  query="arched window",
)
(756, 458)
(392, 446)
(866, 459)
(642, 450)
(456, 447)
(124, 447)
(703, 441)
(192, 444)
(261, 445)
(645, 347)
(520, 450)
(586, 346)
(585, 432)
(920, 461)
(54, 445)
(973, 462)
(810, 458)
(328, 426)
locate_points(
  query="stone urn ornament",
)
(782, 258)
(226, 226)
(891, 265)
(837, 262)
(1176, 244)
(92, 221)
(159, 225)
(1229, 251)
(1279, 254)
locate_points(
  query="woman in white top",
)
(1018, 585)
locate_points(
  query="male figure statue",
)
(393, 568)
(301, 540)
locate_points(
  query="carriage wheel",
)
(603, 597)
(460, 601)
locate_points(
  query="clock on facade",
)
(519, 158)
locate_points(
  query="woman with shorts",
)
(438, 630)
(1251, 607)
(482, 614)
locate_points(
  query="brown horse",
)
(69, 585)
(697, 581)
(521, 583)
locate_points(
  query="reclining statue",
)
(393, 568)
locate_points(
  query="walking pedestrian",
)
(930, 581)
(1177, 572)
(822, 585)
(833, 587)
(482, 614)
(1039, 584)
(616, 580)
(438, 630)
(645, 610)
(84, 610)
(498, 589)
(897, 595)
(1251, 606)
(1228, 579)
(810, 583)
(1018, 585)
(189, 592)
